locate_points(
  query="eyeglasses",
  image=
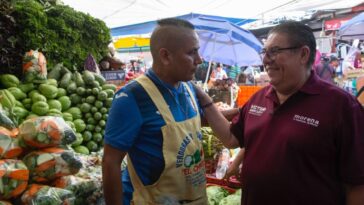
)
(272, 53)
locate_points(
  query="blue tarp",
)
(147, 27)
(353, 29)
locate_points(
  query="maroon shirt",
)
(303, 151)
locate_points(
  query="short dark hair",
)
(165, 33)
(299, 34)
(175, 22)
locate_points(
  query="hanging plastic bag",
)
(37, 194)
(91, 65)
(48, 131)
(14, 177)
(51, 163)
(34, 67)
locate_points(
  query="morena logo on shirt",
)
(306, 120)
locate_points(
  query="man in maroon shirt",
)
(303, 137)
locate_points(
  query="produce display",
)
(37, 194)
(81, 99)
(218, 195)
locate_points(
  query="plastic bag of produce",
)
(34, 67)
(37, 194)
(47, 131)
(91, 65)
(14, 177)
(51, 163)
(9, 144)
(80, 187)
(5, 203)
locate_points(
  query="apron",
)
(183, 179)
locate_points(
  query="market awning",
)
(147, 27)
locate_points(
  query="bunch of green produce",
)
(90, 100)
(215, 194)
(51, 163)
(232, 199)
(45, 195)
(14, 177)
(211, 144)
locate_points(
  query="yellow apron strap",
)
(194, 103)
(137, 183)
(156, 97)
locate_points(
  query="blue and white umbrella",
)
(224, 42)
(353, 29)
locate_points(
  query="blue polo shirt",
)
(303, 151)
(134, 126)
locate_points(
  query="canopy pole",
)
(205, 87)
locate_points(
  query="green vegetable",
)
(66, 80)
(55, 104)
(77, 77)
(9, 80)
(231, 200)
(92, 146)
(52, 82)
(78, 141)
(17, 93)
(76, 112)
(40, 108)
(49, 91)
(81, 149)
(85, 107)
(67, 116)
(7, 99)
(79, 125)
(88, 77)
(71, 88)
(26, 87)
(55, 73)
(215, 194)
(99, 78)
(65, 101)
(56, 28)
(61, 92)
(109, 86)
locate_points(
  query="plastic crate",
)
(244, 94)
(232, 183)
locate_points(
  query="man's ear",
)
(305, 54)
(165, 56)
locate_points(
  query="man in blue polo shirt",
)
(303, 137)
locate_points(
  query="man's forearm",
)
(355, 195)
(112, 186)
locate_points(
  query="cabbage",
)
(215, 194)
(233, 199)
